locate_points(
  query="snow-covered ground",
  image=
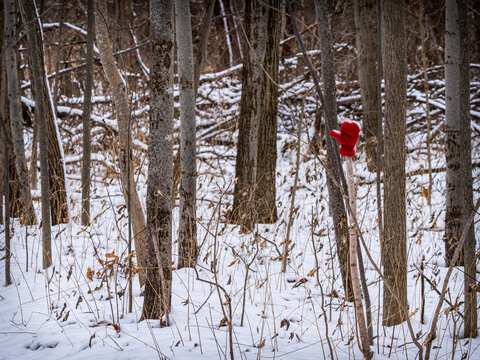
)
(78, 308)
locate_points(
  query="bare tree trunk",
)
(14, 202)
(30, 15)
(265, 191)
(122, 107)
(60, 49)
(395, 247)
(235, 26)
(34, 157)
(459, 202)
(158, 289)
(423, 38)
(87, 108)
(199, 55)
(364, 343)
(29, 217)
(454, 145)
(366, 27)
(251, 107)
(337, 207)
(3, 137)
(59, 205)
(187, 241)
(227, 33)
(5, 179)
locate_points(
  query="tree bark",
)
(5, 186)
(199, 55)
(265, 191)
(366, 28)
(454, 146)
(337, 207)
(364, 343)
(158, 289)
(14, 202)
(59, 206)
(187, 240)
(29, 14)
(204, 35)
(87, 108)
(459, 202)
(395, 247)
(28, 216)
(251, 107)
(122, 107)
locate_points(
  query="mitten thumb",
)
(337, 135)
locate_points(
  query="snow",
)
(70, 312)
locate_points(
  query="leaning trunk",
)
(337, 207)
(30, 15)
(87, 108)
(59, 206)
(122, 107)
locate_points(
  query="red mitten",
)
(347, 137)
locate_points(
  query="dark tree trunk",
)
(265, 191)
(337, 207)
(395, 247)
(8, 165)
(41, 115)
(251, 107)
(87, 108)
(15, 204)
(59, 206)
(158, 290)
(16, 118)
(366, 27)
(459, 202)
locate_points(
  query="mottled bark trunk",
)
(251, 107)
(459, 202)
(395, 246)
(366, 28)
(337, 207)
(87, 108)
(158, 289)
(265, 191)
(122, 107)
(59, 206)
(187, 239)
(28, 214)
(29, 14)
(454, 146)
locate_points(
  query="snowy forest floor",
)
(78, 307)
